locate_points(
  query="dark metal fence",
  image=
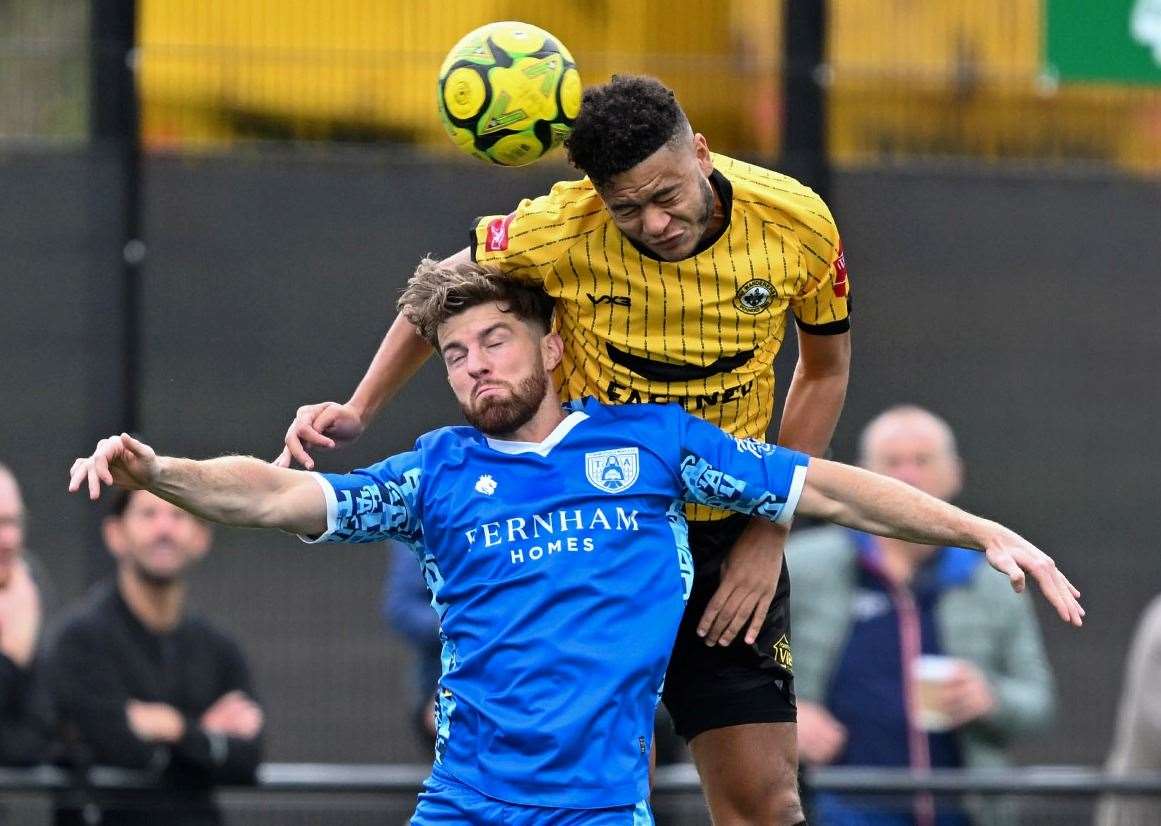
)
(324, 794)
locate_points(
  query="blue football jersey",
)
(560, 571)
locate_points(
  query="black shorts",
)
(708, 688)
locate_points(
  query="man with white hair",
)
(877, 612)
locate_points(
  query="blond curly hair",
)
(436, 292)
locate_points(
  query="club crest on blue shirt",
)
(612, 470)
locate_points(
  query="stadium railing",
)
(677, 779)
(312, 794)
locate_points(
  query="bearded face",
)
(155, 540)
(505, 408)
(498, 367)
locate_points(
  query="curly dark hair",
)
(437, 292)
(620, 124)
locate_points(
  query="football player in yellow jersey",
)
(673, 270)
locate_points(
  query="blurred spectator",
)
(25, 712)
(407, 610)
(909, 655)
(141, 683)
(1137, 744)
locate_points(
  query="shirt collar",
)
(540, 448)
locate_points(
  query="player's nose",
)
(478, 363)
(654, 221)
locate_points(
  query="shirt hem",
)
(540, 797)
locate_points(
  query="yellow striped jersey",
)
(702, 331)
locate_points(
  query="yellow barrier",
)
(217, 70)
(931, 78)
(948, 78)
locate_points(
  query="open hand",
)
(1014, 556)
(749, 578)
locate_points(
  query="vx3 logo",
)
(617, 300)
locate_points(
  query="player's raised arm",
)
(232, 490)
(815, 397)
(878, 504)
(330, 424)
(813, 404)
(821, 311)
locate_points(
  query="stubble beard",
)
(154, 578)
(707, 212)
(502, 416)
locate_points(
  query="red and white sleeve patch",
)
(497, 238)
(840, 272)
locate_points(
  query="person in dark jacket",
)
(406, 608)
(141, 683)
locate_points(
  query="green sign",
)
(1103, 40)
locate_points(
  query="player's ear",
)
(200, 538)
(113, 532)
(701, 151)
(955, 477)
(551, 350)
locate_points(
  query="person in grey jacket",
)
(876, 613)
(1137, 744)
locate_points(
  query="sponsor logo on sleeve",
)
(497, 237)
(840, 272)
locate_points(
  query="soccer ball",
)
(508, 93)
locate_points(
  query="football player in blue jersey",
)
(553, 540)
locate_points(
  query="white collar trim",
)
(541, 448)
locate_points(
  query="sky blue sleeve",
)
(375, 503)
(742, 475)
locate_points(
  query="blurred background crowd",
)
(207, 210)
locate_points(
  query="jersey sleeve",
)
(527, 242)
(375, 503)
(822, 304)
(741, 475)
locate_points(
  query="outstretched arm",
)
(877, 504)
(330, 424)
(768, 481)
(232, 490)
